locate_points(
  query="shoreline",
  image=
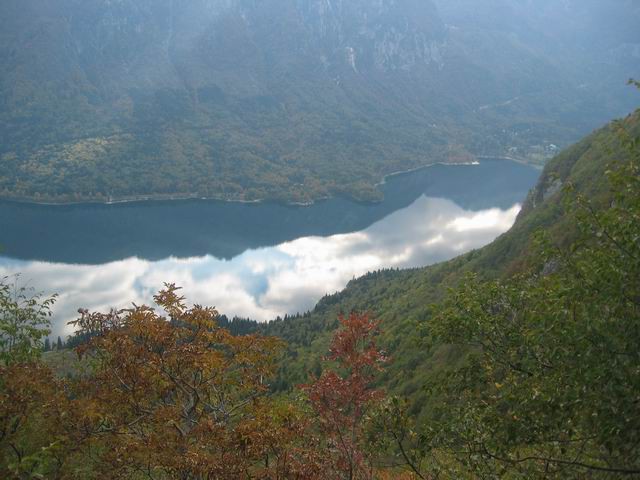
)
(511, 159)
(185, 197)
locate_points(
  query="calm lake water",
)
(254, 260)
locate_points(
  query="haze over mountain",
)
(248, 99)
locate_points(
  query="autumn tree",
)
(167, 393)
(343, 394)
(32, 411)
(176, 396)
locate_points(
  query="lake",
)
(254, 260)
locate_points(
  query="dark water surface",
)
(255, 260)
(95, 234)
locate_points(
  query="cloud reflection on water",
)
(267, 282)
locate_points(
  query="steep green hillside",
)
(402, 299)
(293, 101)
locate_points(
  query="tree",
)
(180, 397)
(24, 322)
(29, 394)
(342, 395)
(173, 395)
(393, 432)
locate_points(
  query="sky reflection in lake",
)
(266, 282)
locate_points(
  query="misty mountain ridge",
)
(245, 100)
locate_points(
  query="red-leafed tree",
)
(344, 392)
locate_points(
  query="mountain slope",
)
(402, 299)
(243, 100)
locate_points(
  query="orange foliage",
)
(172, 395)
(181, 396)
(341, 396)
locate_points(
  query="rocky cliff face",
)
(382, 34)
(111, 46)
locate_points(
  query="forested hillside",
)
(293, 101)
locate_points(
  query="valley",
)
(319, 239)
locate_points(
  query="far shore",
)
(184, 197)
